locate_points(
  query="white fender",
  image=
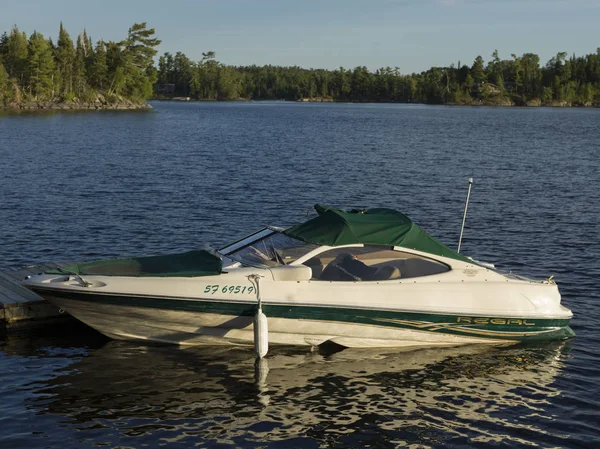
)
(261, 327)
(261, 333)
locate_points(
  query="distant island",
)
(35, 73)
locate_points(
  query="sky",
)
(413, 35)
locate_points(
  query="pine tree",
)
(115, 62)
(165, 68)
(343, 83)
(15, 60)
(55, 77)
(494, 70)
(532, 76)
(79, 75)
(88, 50)
(65, 56)
(3, 46)
(182, 74)
(517, 76)
(98, 71)
(477, 70)
(40, 67)
(140, 45)
(469, 81)
(84, 41)
(137, 61)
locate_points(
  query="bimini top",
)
(334, 227)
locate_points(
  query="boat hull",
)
(191, 321)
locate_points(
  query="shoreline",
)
(34, 106)
(126, 105)
(475, 103)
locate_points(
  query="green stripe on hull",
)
(505, 328)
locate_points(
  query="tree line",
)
(35, 69)
(519, 80)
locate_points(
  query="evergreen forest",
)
(520, 80)
(35, 70)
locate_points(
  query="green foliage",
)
(37, 69)
(494, 70)
(140, 45)
(477, 70)
(469, 81)
(519, 79)
(228, 83)
(3, 47)
(89, 95)
(517, 74)
(3, 78)
(587, 94)
(80, 72)
(129, 64)
(65, 55)
(532, 75)
(118, 81)
(69, 97)
(79, 67)
(40, 66)
(98, 71)
(4, 85)
(16, 53)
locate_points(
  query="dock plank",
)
(7, 296)
(11, 289)
(20, 307)
(20, 274)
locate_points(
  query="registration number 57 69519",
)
(231, 289)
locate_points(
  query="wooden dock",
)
(21, 308)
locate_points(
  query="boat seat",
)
(386, 273)
(316, 266)
(334, 272)
(416, 267)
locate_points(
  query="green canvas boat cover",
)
(188, 264)
(334, 227)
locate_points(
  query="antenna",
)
(462, 228)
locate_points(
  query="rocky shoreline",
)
(534, 103)
(494, 101)
(129, 105)
(121, 104)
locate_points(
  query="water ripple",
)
(86, 186)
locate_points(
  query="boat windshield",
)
(274, 250)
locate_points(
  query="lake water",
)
(78, 186)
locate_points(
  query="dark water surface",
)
(91, 185)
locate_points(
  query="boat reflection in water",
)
(135, 394)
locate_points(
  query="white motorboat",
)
(360, 278)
